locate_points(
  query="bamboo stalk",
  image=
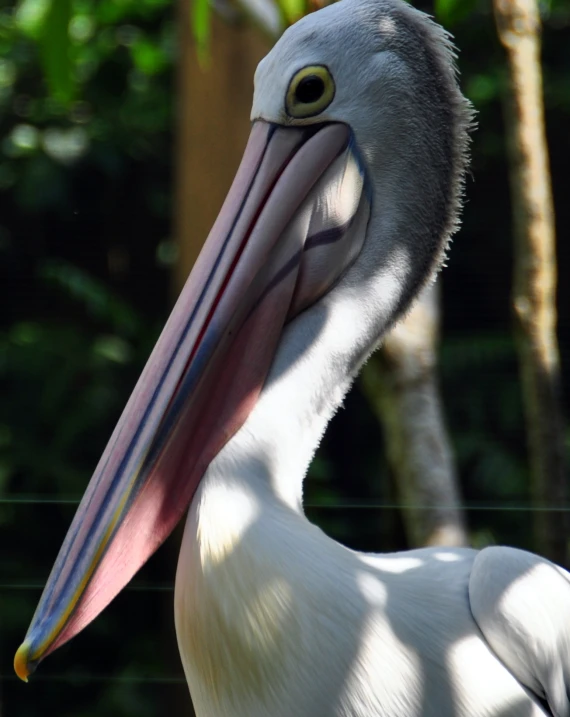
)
(534, 281)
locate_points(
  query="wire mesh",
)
(154, 679)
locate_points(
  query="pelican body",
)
(340, 212)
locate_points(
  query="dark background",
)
(86, 253)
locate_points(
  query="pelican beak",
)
(293, 221)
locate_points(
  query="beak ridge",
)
(210, 362)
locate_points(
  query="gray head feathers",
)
(396, 87)
(428, 43)
(439, 107)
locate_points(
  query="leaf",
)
(55, 51)
(293, 9)
(148, 56)
(30, 16)
(200, 20)
(449, 12)
(483, 88)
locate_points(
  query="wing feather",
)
(521, 603)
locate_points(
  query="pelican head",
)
(350, 187)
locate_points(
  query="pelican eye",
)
(311, 91)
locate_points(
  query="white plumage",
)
(341, 211)
(272, 616)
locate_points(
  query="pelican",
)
(341, 210)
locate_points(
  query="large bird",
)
(341, 211)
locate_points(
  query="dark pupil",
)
(310, 89)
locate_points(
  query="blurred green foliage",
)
(86, 108)
(86, 159)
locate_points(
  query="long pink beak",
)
(294, 220)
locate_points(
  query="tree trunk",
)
(214, 103)
(534, 285)
(400, 382)
(213, 124)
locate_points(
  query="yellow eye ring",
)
(311, 91)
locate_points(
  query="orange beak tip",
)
(22, 661)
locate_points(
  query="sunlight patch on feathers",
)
(236, 511)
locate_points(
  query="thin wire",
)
(507, 507)
(16, 499)
(94, 678)
(349, 506)
(36, 500)
(130, 588)
(100, 678)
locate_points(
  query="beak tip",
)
(22, 664)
